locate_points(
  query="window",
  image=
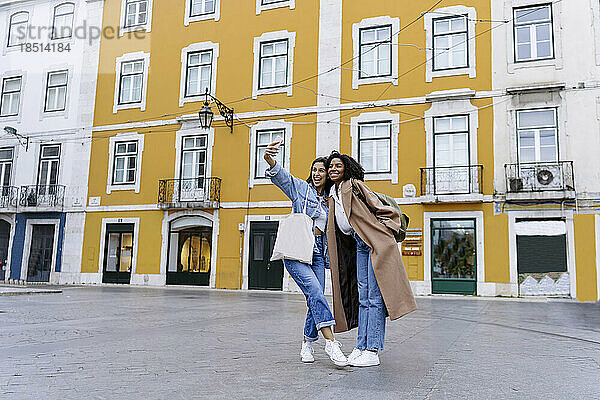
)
(374, 146)
(125, 163)
(201, 7)
(450, 42)
(56, 91)
(62, 26)
(263, 138)
(132, 75)
(193, 157)
(533, 33)
(198, 73)
(263, 5)
(451, 141)
(273, 64)
(537, 134)
(6, 161)
(375, 52)
(451, 173)
(17, 34)
(11, 96)
(49, 165)
(131, 81)
(136, 13)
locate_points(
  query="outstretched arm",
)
(289, 184)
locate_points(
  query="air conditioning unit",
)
(515, 184)
(544, 177)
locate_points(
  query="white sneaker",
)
(334, 351)
(366, 359)
(307, 352)
(355, 353)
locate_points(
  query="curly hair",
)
(352, 169)
(328, 182)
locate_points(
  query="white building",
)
(546, 79)
(49, 53)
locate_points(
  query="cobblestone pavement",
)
(134, 343)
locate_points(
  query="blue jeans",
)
(371, 308)
(311, 280)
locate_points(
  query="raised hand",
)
(271, 151)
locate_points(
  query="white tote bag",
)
(295, 237)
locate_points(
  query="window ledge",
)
(545, 87)
(119, 107)
(454, 198)
(283, 4)
(128, 187)
(453, 94)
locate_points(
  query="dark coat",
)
(377, 233)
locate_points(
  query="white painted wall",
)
(72, 129)
(577, 65)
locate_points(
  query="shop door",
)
(454, 256)
(263, 273)
(4, 237)
(40, 254)
(118, 253)
(193, 258)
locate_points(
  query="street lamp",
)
(205, 115)
(13, 132)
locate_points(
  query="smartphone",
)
(279, 141)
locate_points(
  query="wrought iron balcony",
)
(48, 196)
(540, 177)
(452, 180)
(9, 196)
(189, 193)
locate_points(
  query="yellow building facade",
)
(405, 90)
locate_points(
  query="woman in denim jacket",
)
(310, 278)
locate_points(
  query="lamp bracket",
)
(226, 112)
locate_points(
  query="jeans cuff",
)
(310, 340)
(325, 324)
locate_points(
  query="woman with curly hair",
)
(309, 195)
(368, 278)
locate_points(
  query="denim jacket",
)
(295, 189)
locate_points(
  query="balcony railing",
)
(189, 193)
(540, 177)
(452, 180)
(42, 196)
(9, 196)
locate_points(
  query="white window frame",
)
(266, 126)
(557, 61)
(372, 23)
(536, 130)
(46, 90)
(532, 33)
(9, 25)
(145, 27)
(7, 163)
(188, 18)
(449, 103)
(124, 137)
(187, 131)
(10, 76)
(269, 37)
(50, 160)
(260, 7)
(192, 48)
(428, 19)
(140, 55)
(59, 4)
(63, 113)
(372, 117)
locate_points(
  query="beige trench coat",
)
(385, 257)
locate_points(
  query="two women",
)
(309, 195)
(368, 277)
